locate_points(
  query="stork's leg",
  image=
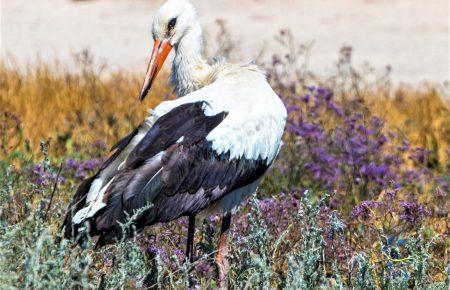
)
(190, 239)
(222, 253)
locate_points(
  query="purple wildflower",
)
(413, 212)
(364, 209)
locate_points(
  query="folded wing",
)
(175, 170)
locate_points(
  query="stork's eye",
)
(172, 24)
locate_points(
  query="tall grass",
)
(73, 106)
(422, 115)
(82, 104)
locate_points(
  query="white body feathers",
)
(253, 128)
(256, 116)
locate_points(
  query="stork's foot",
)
(222, 252)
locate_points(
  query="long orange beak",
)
(160, 52)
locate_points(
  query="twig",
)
(55, 186)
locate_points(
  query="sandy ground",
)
(412, 36)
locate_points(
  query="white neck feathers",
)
(188, 65)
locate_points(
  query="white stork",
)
(205, 150)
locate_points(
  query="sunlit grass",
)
(82, 105)
(71, 106)
(423, 115)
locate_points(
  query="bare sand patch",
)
(410, 36)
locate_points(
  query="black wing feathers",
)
(175, 169)
(197, 166)
(187, 121)
(125, 141)
(79, 198)
(122, 144)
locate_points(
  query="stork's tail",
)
(69, 229)
(109, 220)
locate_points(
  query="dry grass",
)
(78, 106)
(422, 115)
(71, 107)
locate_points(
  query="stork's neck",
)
(188, 65)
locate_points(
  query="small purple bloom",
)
(364, 209)
(413, 212)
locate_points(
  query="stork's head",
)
(171, 23)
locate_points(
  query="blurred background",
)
(411, 37)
